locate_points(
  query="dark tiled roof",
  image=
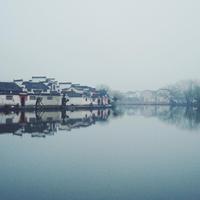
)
(69, 83)
(35, 86)
(18, 80)
(100, 93)
(82, 87)
(9, 87)
(73, 94)
(39, 77)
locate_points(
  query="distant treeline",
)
(185, 93)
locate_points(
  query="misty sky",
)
(128, 45)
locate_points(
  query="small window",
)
(9, 121)
(49, 98)
(9, 97)
(32, 98)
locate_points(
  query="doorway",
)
(22, 100)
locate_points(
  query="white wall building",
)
(10, 94)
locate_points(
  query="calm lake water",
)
(129, 153)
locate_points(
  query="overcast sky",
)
(128, 45)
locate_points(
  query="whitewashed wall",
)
(14, 101)
(79, 101)
(95, 101)
(30, 102)
(55, 101)
(83, 101)
(103, 101)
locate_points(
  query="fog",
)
(127, 45)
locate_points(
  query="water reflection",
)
(41, 124)
(181, 117)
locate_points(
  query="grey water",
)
(144, 152)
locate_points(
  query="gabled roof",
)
(18, 80)
(39, 77)
(9, 87)
(99, 93)
(73, 94)
(63, 83)
(35, 86)
(83, 87)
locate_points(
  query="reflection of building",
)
(41, 124)
(85, 118)
(10, 123)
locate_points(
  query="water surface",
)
(129, 153)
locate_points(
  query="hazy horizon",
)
(127, 45)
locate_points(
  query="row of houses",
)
(41, 91)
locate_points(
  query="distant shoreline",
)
(154, 104)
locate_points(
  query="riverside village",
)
(43, 92)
